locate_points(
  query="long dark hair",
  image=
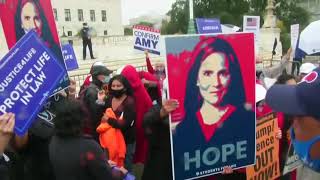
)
(45, 29)
(235, 94)
(70, 118)
(283, 78)
(124, 81)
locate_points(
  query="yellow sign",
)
(267, 150)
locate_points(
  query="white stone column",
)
(191, 8)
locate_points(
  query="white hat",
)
(307, 68)
(260, 92)
(268, 82)
(98, 63)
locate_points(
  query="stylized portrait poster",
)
(213, 78)
(20, 16)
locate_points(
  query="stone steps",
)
(84, 66)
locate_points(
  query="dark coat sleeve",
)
(98, 166)
(129, 116)
(4, 169)
(96, 110)
(152, 116)
(152, 120)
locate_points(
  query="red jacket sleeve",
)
(149, 66)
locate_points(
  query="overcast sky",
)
(135, 8)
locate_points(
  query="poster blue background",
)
(69, 57)
(239, 127)
(53, 70)
(207, 26)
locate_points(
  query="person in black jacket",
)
(86, 41)
(100, 77)
(7, 122)
(122, 102)
(156, 124)
(74, 156)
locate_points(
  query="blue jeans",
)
(131, 149)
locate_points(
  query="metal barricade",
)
(289, 69)
(79, 78)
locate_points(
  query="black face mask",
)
(117, 93)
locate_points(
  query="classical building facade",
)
(103, 16)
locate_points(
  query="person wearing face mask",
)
(122, 103)
(100, 77)
(302, 102)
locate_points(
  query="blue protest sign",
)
(29, 73)
(207, 26)
(69, 57)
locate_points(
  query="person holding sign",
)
(7, 122)
(215, 104)
(156, 124)
(302, 102)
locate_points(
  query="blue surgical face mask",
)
(303, 148)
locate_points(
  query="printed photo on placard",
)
(213, 79)
(20, 16)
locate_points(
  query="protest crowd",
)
(121, 123)
(120, 118)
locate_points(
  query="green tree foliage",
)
(128, 31)
(231, 12)
(179, 17)
(145, 24)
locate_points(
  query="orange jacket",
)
(112, 139)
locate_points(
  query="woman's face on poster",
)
(214, 78)
(30, 18)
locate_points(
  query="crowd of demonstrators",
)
(121, 119)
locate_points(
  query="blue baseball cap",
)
(302, 99)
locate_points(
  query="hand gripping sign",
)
(28, 75)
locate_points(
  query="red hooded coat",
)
(143, 103)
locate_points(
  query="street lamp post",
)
(191, 28)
